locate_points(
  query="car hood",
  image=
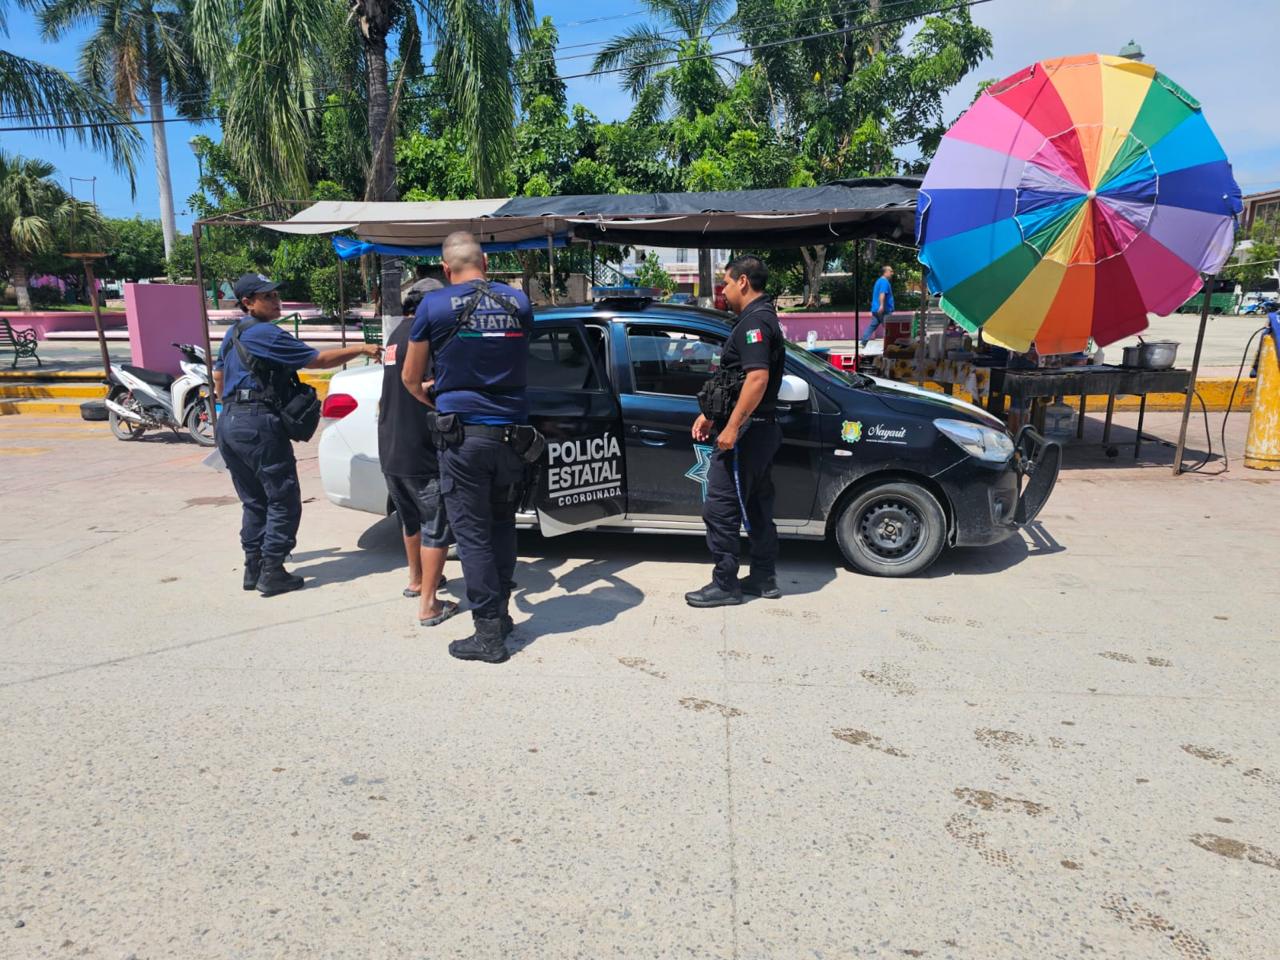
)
(911, 399)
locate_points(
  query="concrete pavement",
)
(1062, 746)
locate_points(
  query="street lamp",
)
(1131, 51)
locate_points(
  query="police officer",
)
(476, 334)
(740, 481)
(411, 468)
(252, 440)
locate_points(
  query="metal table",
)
(1102, 380)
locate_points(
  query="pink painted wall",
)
(44, 322)
(160, 314)
(829, 326)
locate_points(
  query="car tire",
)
(894, 529)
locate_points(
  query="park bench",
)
(22, 342)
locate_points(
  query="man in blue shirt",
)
(252, 439)
(476, 334)
(881, 302)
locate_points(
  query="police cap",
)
(251, 283)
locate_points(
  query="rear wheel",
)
(200, 422)
(893, 529)
(122, 427)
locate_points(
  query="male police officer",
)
(477, 335)
(412, 471)
(739, 481)
(252, 439)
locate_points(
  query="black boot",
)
(485, 644)
(252, 570)
(766, 587)
(275, 579)
(713, 595)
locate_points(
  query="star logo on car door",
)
(698, 472)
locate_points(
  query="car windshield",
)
(817, 365)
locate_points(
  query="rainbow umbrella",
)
(1072, 199)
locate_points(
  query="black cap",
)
(251, 283)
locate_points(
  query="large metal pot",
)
(1151, 354)
(1157, 354)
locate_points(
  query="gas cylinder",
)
(1262, 444)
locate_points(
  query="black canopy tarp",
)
(847, 209)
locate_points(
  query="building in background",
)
(1259, 207)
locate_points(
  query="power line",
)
(750, 48)
(324, 91)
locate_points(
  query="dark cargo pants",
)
(743, 477)
(259, 455)
(480, 480)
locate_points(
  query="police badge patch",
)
(851, 431)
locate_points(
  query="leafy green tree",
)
(59, 108)
(651, 273)
(1259, 258)
(852, 102)
(137, 48)
(33, 208)
(136, 249)
(672, 64)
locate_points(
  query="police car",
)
(892, 473)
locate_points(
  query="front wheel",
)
(200, 422)
(122, 427)
(893, 529)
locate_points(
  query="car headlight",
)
(985, 443)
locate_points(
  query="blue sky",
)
(1220, 59)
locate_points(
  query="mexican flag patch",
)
(755, 336)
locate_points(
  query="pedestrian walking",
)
(881, 302)
(411, 467)
(742, 416)
(255, 376)
(476, 333)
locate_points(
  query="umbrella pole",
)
(857, 304)
(342, 301)
(551, 264)
(1195, 370)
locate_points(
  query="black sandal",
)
(448, 609)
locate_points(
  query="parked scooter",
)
(140, 399)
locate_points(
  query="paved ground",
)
(1061, 747)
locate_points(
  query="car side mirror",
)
(794, 389)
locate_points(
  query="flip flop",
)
(448, 609)
(414, 594)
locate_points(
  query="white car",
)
(349, 467)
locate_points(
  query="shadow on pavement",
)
(1032, 541)
(595, 594)
(380, 549)
(1159, 443)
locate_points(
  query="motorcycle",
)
(140, 399)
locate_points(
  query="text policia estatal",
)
(584, 469)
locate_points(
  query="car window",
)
(671, 361)
(559, 359)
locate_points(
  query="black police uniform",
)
(740, 480)
(405, 449)
(480, 375)
(255, 447)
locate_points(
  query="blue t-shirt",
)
(264, 340)
(882, 286)
(481, 373)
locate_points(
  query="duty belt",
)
(498, 432)
(246, 396)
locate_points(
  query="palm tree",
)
(52, 104)
(140, 48)
(674, 66)
(270, 62)
(34, 209)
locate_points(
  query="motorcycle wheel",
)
(200, 422)
(122, 428)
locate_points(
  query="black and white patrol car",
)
(893, 473)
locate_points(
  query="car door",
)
(581, 476)
(663, 364)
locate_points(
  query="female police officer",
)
(252, 439)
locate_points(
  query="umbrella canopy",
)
(1071, 200)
